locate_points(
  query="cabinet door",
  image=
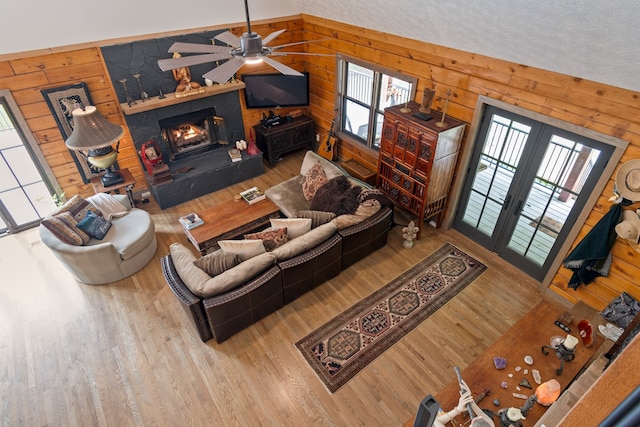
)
(388, 136)
(402, 141)
(426, 150)
(413, 143)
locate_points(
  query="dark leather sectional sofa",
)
(221, 316)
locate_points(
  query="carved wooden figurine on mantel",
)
(185, 86)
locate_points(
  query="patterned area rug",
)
(343, 346)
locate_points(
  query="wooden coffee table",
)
(228, 220)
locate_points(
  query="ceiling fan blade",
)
(187, 61)
(197, 48)
(228, 38)
(301, 53)
(272, 36)
(297, 43)
(222, 73)
(284, 69)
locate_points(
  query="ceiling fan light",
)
(255, 60)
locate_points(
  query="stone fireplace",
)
(194, 134)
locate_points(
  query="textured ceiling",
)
(591, 39)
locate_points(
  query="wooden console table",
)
(525, 337)
(284, 138)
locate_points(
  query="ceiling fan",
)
(248, 49)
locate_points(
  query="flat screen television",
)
(276, 90)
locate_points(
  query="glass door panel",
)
(566, 164)
(499, 159)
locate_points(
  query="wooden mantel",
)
(155, 102)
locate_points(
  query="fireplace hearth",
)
(193, 133)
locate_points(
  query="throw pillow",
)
(317, 217)
(295, 226)
(217, 262)
(270, 238)
(374, 194)
(313, 180)
(63, 226)
(94, 225)
(77, 207)
(337, 196)
(245, 249)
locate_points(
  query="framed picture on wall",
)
(62, 101)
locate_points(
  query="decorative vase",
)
(252, 148)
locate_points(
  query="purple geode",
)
(500, 362)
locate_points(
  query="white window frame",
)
(375, 114)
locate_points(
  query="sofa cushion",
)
(270, 238)
(94, 225)
(204, 286)
(331, 170)
(193, 277)
(217, 262)
(77, 207)
(288, 196)
(245, 249)
(313, 180)
(295, 226)
(130, 234)
(317, 217)
(337, 196)
(64, 227)
(305, 242)
(364, 211)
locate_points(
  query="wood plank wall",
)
(606, 109)
(599, 107)
(26, 74)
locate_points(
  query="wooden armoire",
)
(417, 160)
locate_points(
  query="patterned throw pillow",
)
(245, 249)
(63, 226)
(295, 226)
(270, 238)
(94, 225)
(78, 208)
(217, 262)
(317, 217)
(312, 180)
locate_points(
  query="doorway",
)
(26, 182)
(527, 184)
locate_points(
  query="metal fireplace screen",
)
(193, 132)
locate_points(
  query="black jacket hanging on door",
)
(592, 256)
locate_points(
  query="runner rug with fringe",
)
(339, 349)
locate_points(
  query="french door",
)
(26, 182)
(526, 185)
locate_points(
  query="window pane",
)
(357, 119)
(394, 91)
(359, 83)
(379, 121)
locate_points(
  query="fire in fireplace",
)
(194, 132)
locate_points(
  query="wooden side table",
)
(127, 185)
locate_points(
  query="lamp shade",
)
(91, 130)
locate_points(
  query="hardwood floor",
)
(124, 354)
